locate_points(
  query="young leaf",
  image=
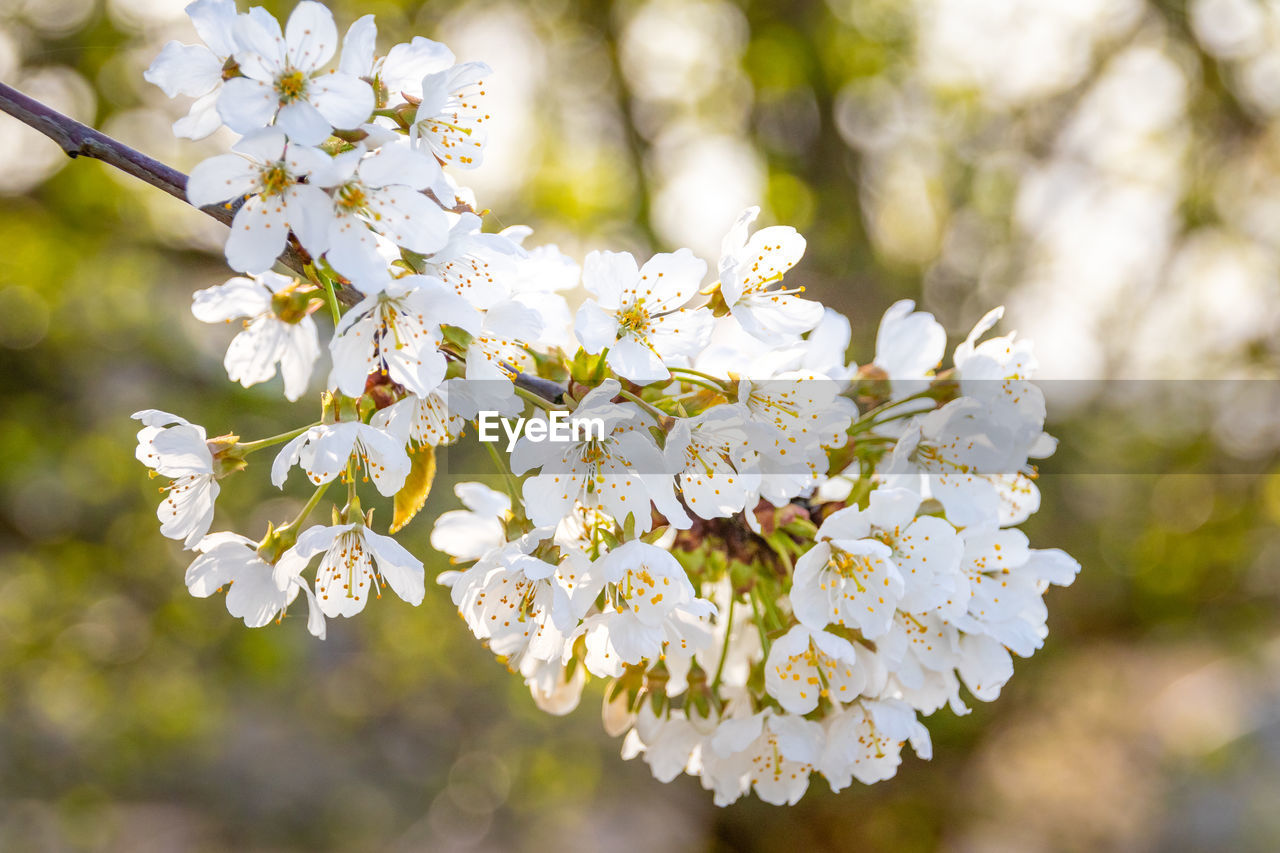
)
(417, 486)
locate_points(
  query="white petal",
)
(346, 102)
(238, 297)
(298, 360)
(606, 275)
(358, 47)
(258, 235)
(246, 104)
(674, 277)
(635, 361)
(409, 218)
(220, 178)
(184, 69)
(596, 327)
(400, 569)
(254, 597)
(310, 211)
(201, 120)
(215, 22)
(398, 164)
(303, 123)
(311, 36)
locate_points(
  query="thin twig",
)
(80, 140)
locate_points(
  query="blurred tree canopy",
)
(1108, 168)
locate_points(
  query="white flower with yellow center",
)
(651, 604)
(381, 191)
(805, 665)
(849, 582)
(773, 753)
(450, 122)
(267, 173)
(176, 448)
(356, 564)
(638, 314)
(864, 742)
(325, 452)
(283, 81)
(716, 466)
(749, 269)
(278, 329)
(621, 472)
(397, 331)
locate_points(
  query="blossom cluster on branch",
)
(778, 561)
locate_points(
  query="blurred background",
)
(1109, 169)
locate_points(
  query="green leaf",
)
(416, 487)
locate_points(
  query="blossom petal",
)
(401, 570)
(237, 297)
(409, 218)
(226, 176)
(358, 47)
(184, 69)
(310, 35)
(258, 235)
(246, 104)
(346, 102)
(303, 123)
(310, 211)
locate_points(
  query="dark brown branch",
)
(80, 140)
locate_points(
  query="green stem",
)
(310, 505)
(868, 418)
(724, 650)
(531, 397)
(755, 613)
(247, 447)
(714, 380)
(506, 473)
(656, 413)
(331, 295)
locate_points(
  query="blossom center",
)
(275, 179)
(851, 566)
(634, 318)
(351, 197)
(291, 86)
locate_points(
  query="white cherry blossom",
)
(356, 564)
(278, 330)
(805, 665)
(196, 70)
(621, 473)
(638, 314)
(232, 561)
(267, 172)
(749, 267)
(176, 448)
(398, 331)
(324, 451)
(716, 466)
(283, 82)
(381, 191)
(450, 121)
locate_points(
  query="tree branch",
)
(80, 140)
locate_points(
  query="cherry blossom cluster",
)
(778, 562)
